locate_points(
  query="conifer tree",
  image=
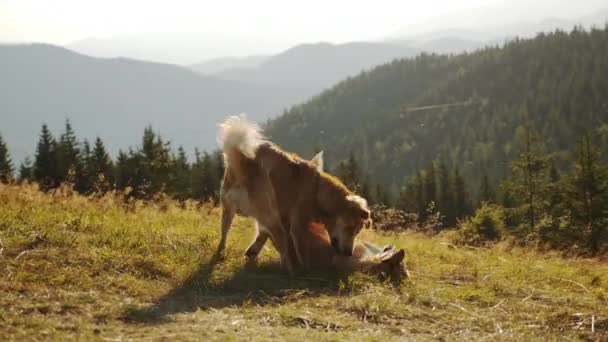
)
(380, 195)
(84, 179)
(445, 200)
(180, 175)
(348, 172)
(407, 197)
(430, 185)
(486, 193)
(529, 180)
(67, 156)
(588, 194)
(45, 172)
(204, 177)
(461, 206)
(6, 167)
(155, 164)
(26, 170)
(418, 185)
(100, 167)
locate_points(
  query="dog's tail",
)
(238, 133)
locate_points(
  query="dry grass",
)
(97, 269)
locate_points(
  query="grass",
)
(77, 268)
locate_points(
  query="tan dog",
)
(284, 193)
(386, 262)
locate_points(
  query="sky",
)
(271, 23)
(64, 21)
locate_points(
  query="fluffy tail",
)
(240, 134)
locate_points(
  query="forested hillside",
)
(470, 111)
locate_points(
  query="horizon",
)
(165, 33)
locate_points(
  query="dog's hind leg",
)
(227, 217)
(258, 243)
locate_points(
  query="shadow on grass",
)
(263, 284)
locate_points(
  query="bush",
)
(487, 224)
(386, 218)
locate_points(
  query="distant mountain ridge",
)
(221, 64)
(308, 69)
(117, 98)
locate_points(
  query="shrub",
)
(386, 218)
(487, 224)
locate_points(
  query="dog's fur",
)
(386, 262)
(284, 193)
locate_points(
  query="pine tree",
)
(26, 171)
(430, 185)
(155, 165)
(380, 195)
(461, 205)
(67, 157)
(555, 190)
(421, 205)
(348, 172)
(486, 193)
(84, 179)
(45, 172)
(218, 157)
(100, 167)
(407, 197)
(352, 169)
(445, 200)
(6, 167)
(204, 177)
(588, 194)
(123, 173)
(180, 175)
(529, 181)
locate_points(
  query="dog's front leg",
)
(282, 243)
(297, 234)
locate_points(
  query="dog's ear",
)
(317, 161)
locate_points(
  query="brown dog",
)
(386, 262)
(284, 193)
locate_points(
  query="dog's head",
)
(348, 223)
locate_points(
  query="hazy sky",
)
(64, 21)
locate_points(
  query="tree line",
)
(151, 168)
(534, 202)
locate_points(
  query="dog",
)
(386, 262)
(284, 194)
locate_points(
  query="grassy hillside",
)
(469, 110)
(96, 269)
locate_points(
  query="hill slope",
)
(221, 64)
(78, 268)
(556, 82)
(117, 98)
(310, 68)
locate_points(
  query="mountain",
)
(447, 44)
(117, 98)
(469, 110)
(310, 68)
(221, 64)
(181, 48)
(461, 31)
